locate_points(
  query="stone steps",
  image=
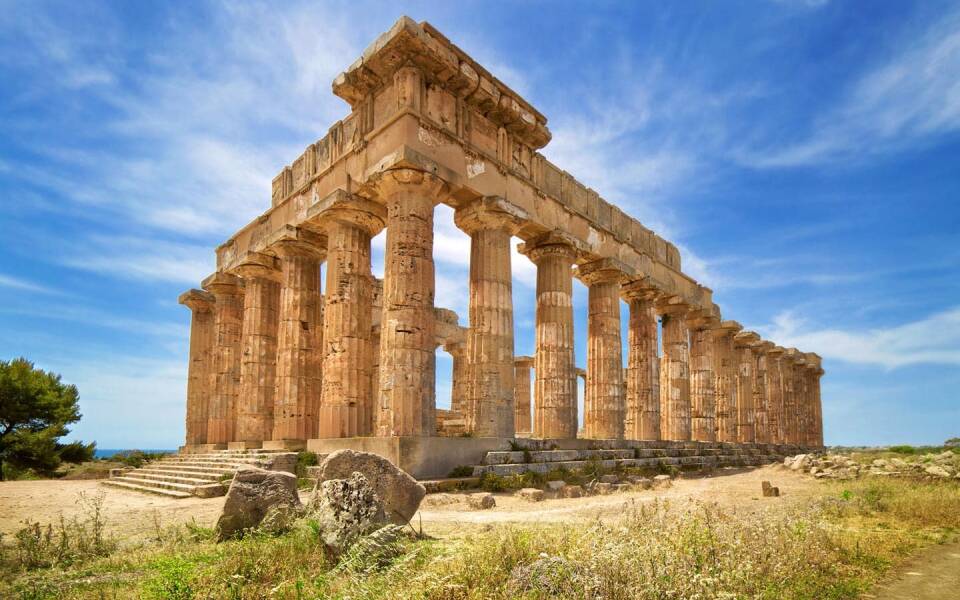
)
(729, 460)
(202, 474)
(117, 483)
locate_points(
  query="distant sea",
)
(108, 452)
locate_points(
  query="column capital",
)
(764, 347)
(490, 212)
(456, 349)
(523, 361)
(295, 241)
(645, 288)
(257, 265)
(672, 305)
(581, 373)
(746, 339)
(222, 283)
(341, 206)
(408, 180)
(796, 357)
(604, 270)
(704, 318)
(776, 352)
(197, 300)
(552, 243)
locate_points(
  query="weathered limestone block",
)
(228, 320)
(400, 493)
(703, 406)
(531, 494)
(726, 367)
(642, 410)
(481, 501)
(604, 403)
(674, 371)
(746, 411)
(299, 337)
(797, 395)
(346, 406)
(791, 424)
(521, 393)
(258, 365)
(555, 389)
(200, 370)
(406, 398)
(345, 510)
(252, 494)
(490, 222)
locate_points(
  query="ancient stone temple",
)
(282, 360)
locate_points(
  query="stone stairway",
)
(543, 456)
(205, 475)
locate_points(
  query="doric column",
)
(199, 369)
(299, 336)
(775, 412)
(642, 418)
(603, 398)
(406, 397)
(726, 367)
(815, 400)
(674, 371)
(761, 410)
(746, 410)
(808, 407)
(791, 416)
(346, 404)
(228, 325)
(521, 393)
(703, 404)
(555, 387)
(258, 363)
(459, 375)
(490, 222)
(798, 387)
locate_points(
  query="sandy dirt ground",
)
(934, 574)
(132, 515)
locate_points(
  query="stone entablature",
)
(276, 361)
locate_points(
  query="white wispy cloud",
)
(932, 340)
(908, 100)
(142, 259)
(17, 283)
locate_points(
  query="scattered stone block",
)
(555, 486)
(937, 471)
(481, 501)
(609, 478)
(400, 493)
(531, 494)
(346, 509)
(644, 483)
(571, 491)
(210, 490)
(604, 489)
(662, 481)
(253, 492)
(769, 491)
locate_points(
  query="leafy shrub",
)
(903, 449)
(306, 459)
(137, 458)
(461, 471)
(172, 579)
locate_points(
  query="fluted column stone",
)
(726, 367)
(200, 368)
(228, 325)
(674, 371)
(407, 395)
(791, 397)
(521, 393)
(299, 336)
(459, 375)
(761, 408)
(555, 387)
(642, 403)
(703, 405)
(604, 402)
(746, 410)
(258, 363)
(490, 222)
(346, 403)
(775, 412)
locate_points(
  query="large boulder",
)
(346, 509)
(400, 493)
(252, 495)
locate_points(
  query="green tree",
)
(35, 409)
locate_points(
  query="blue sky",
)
(805, 157)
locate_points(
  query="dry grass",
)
(833, 547)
